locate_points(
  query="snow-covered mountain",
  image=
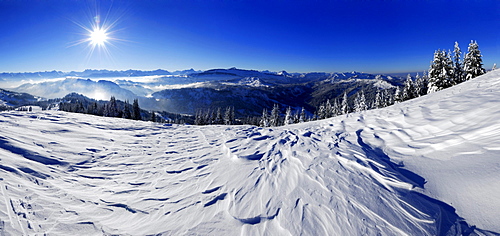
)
(9, 99)
(249, 91)
(428, 166)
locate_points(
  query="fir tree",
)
(288, 116)
(111, 108)
(409, 91)
(440, 72)
(360, 102)
(136, 110)
(473, 63)
(397, 96)
(264, 120)
(275, 116)
(458, 71)
(345, 104)
(302, 115)
(153, 116)
(378, 101)
(126, 111)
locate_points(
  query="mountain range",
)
(248, 91)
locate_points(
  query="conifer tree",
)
(360, 102)
(153, 116)
(409, 91)
(378, 101)
(288, 116)
(397, 96)
(345, 104)
(111, 108)
(440, 72)
(473, 63)
(457, 65)
(136, 110)
(275, 116)
(302, 117)
(126, 111)
(264, 120)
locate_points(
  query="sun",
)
(98, 36)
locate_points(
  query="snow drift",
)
(428, 166)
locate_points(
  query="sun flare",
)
(98, 36)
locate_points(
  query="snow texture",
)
(428, 166)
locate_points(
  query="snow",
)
(421, 167)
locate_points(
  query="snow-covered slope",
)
(424, 167)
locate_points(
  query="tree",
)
(229, 116)
(136, 110)
(302, 115)
(264, 120)
(473, 63)
(288, 116)
(409, 91)
(345, 104)
(126, 111)
(153, 116)
(378, 101)
(397, 96)
(421, 85)
(111, 108)
(440, 72)
(275, 116)
(458, 71)
(360, 102)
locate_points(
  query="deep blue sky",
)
(296, 36)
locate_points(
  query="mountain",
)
(9, 99)
(101, 90)
(249, 91)
(428, 166)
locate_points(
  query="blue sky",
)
(296, 36)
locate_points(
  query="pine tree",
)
(126, 111)
(264, 120)
(336, 110)
(409, 91)
(458, 71)
(378, 101)
(421, 85)
(288, 116)
(440, 72)
(397, 96)
(321, 112)
(136, 110)
(153, 116)
(360, 102)
(275, 116)
(345, 104)
(111, 108)
(302, 115)
(473, 66)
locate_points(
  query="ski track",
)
(391, 171)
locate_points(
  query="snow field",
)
(401, 170)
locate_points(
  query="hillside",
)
(428, 166)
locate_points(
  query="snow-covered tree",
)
(336, 110)
(275, 116)
(288, 116)
(378, 101)
(111, 108)
(126, 111)
(458, 70)
(409, 91)
(440, 72)
(473, 63)
(345, 104)
(302, 117)
(421, 85)
(360, 102)
(229, 116)
(397, 95)
(264, 120)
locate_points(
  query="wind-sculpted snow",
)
(424, 167)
